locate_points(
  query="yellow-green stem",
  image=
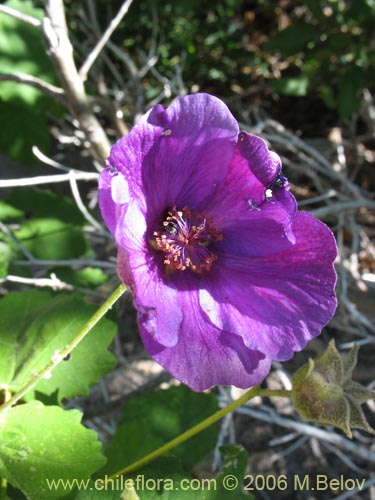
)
(3, 489)
(254, 391)
(62, 353)
(281, 393)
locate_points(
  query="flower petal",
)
(277, 303)
(263, 163)
(205, 356)
(113, 192)
(252, 223)
(192, 150)
(153, 298)
(129, 153)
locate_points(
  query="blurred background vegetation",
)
(325, 49)
(307, 63)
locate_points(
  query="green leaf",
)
(22, 107)
(49, 226)
(349, 98)
(37, 203)
(40, 444)
(328, 96)
(165, 479)
(93, 493)
(160, 479)
(293, 39)
(235, 462)
(291, 86)
(9, 212)
(26, 126)
(5, 258)
(52, 239)
(152, 419)
(316, 9)
(22, 50)
(89, 277)
(34, 325)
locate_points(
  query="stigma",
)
(186, 240)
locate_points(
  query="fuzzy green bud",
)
(324, 392)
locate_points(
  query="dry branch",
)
(104, 39)
(48, 89)
(61, 53)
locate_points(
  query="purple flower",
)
(226, 275)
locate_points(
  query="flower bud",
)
(323, 391)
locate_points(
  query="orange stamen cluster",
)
(185, 240)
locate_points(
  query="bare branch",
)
(48, 89)
(73, 263)
(134, 71)
(61, 54)
(15, 240)
(310, 430)
(48, 179)
(49, 161)
(53, 282)
(81, 206)
(33, 21)
(338, 208)
(104, 39)
(368, 484)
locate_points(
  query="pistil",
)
(185, 239)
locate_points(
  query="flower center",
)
(185, 239)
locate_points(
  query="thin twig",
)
(81, 206)
(53, 282)
(344, 458)
(370, 482)
(133, 70)
(73, 263)
(46, 88)
(104, 39)
(48, 179)
(281, 440)
(314, 158)
(357, 316)
(288, 450)
(312, 431)
(15, 240)
(50, 161)
(33, 21)
(338, 208)
(322, 197)
(226, 423)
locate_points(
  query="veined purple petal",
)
(277, 303)
(113, 193)
(193, 152)
(263, 163)
(178, 155)
(249, 212)
(129, 153)
(204, 355)
(153, 298)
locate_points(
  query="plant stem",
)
(254, 391)
(281, 393)
(62, 353)
(3, 488)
